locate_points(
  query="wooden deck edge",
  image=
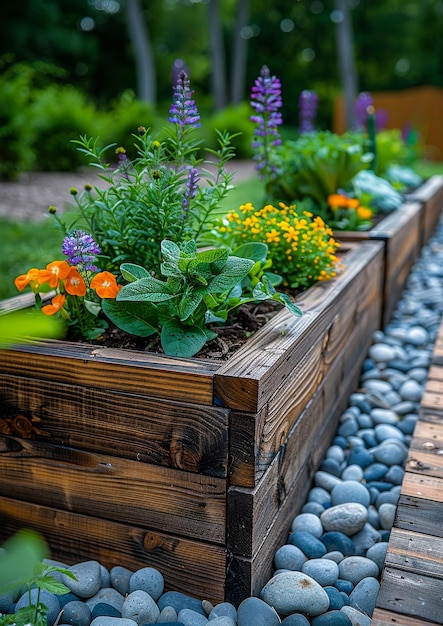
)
(411, 582)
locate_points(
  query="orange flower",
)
(364, 213)
(74, 283)
(337, 200)
(23, 280)
(105, 285)
(55, 271)
(56, 304)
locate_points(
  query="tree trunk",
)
(240, 51)
(346, 61)
(218, 56)
(139, 36)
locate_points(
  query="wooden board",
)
(430, 195)
(381, 617)
(73, 538)
(114, 488)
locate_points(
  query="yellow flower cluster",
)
(301, 245)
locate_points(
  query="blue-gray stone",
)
(355, 568)
(357, 617)
(383, 416)
(366, 538)
(292, 592)
(419, 374)
(390, 452)
(147, 579)
(395, 475)
(223, 620)
(320, 495)
(310, 545)
(340, 441)
(369, 439)
(332, 618)
(349, 427)
(377, 553)
(104, 609)
(67, 597)
(379, 485)
(360, 456)
(335, 599)
(375, 471)
(411, 390)
(224, 608)
(386, 514)
(364, 595)
(392, 496)
(256, 612)
(88, 579)
(364, 420)
(336, 453)
(416, 335)
(399, 364)
(109, 596)
(296, 619)
(105, 579)
(347, 518)
(6, 600)
(167, 615)
(332, 466)
(313, 507)
(188, 617)
(338, 541)
(289, 557)
(324, 571)
(334, 555)
(352, 472)
(179, 601)
(309, 522)
(325, 480)
(77, 613)
(373, 518)
(104, 620)
(344, 586)
(50, 600)
(140, 607)
(350, 491)
(120, 577)
(386, 431)
(381, 352)
(407, 424)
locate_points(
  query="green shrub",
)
(233, 119)
(58, 115)
(16, 154)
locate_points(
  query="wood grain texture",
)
(253, 373)
(114, 488)
(181, 435)
(73, 538)
(411, 594)
(430, 195)
(156, 375)
(419, 515)
(415, 552)
(422, 486)
(381, 617)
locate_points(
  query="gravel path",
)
(28, 198)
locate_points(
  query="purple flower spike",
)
(364, 100)
(308, 102)
(183, 110)
(191, 188)
(266, 101)
(81, 250)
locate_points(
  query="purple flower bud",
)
(266, 101)
(81, 250)
(363, 101)
(191, 188)
(308, 102)
(183, 110)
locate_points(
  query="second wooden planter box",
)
(194, 467)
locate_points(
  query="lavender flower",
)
(183, 110)
(363, 101)
(266, 101)
(191, 188)
(308, 102)
(81, 250)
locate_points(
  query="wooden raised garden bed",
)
(430, 195)
(194, 467)
(401, 234)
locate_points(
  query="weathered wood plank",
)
(430, 194)
(252, 374)
(422, 486)
(192, 437)
(73, 538)
(381, 617)
(411, 594)
(419, 515)
(417, 553)
(114, 488)
(156, 375)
